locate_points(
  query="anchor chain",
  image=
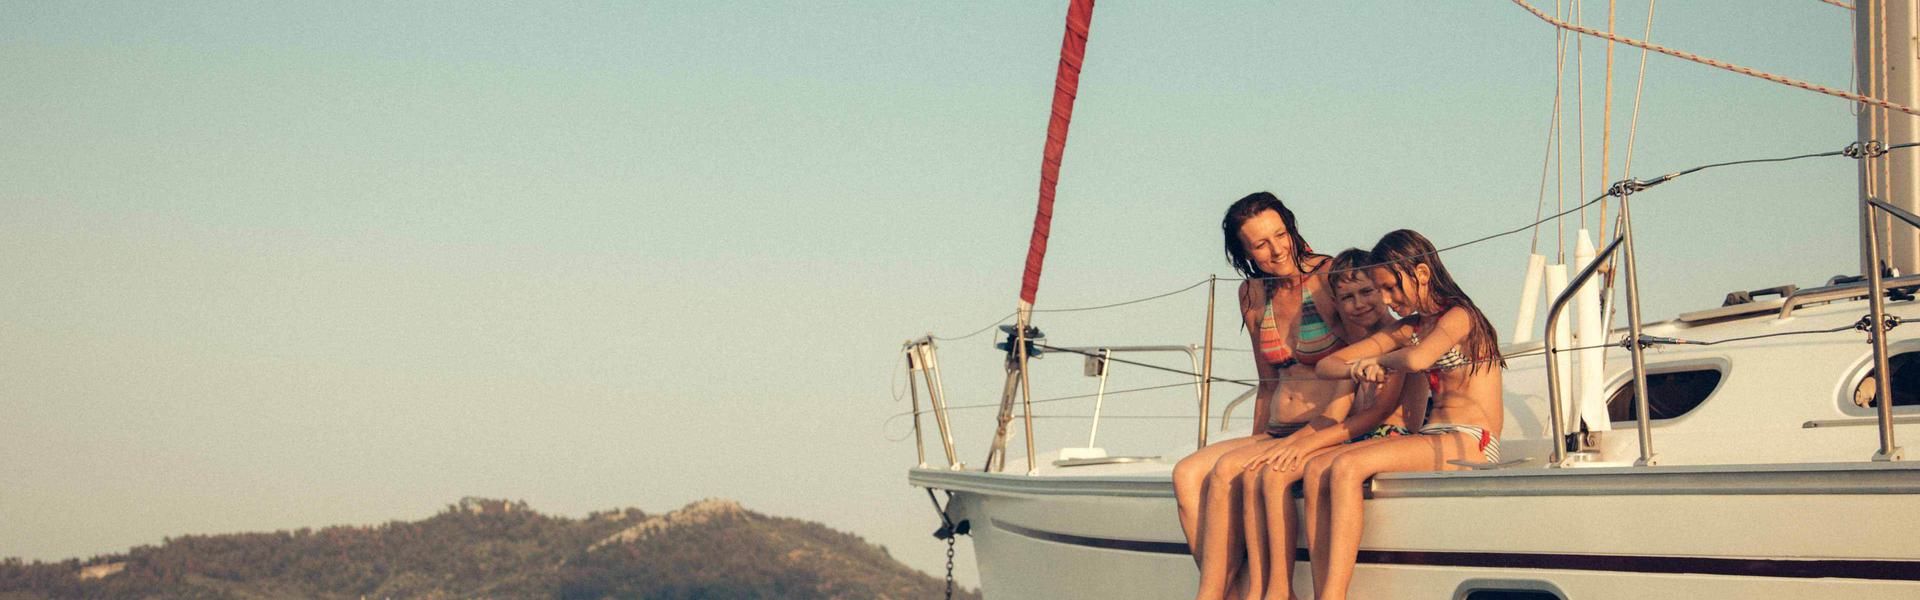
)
(950, 567)
(948, 532)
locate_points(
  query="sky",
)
(272, 266)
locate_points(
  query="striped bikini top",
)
(1313, 341)
(1447, 362)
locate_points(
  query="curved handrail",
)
(1554, 310)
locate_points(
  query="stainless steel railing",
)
(924, 369)
(1636, 344)
(1557, 456)
(1624, 241)
(1876, 331)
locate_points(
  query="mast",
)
(1885, 56)
(1066, 86)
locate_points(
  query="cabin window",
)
(1905, 384)
(1513, 594)
(1669, 394)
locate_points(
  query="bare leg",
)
(1313, 489)
(1189, 484)
(1276, 488)
(1253, 523)
(1351, 470)
(1221, 545)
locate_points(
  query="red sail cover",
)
(1066, 84)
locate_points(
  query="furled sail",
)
(1066, 85)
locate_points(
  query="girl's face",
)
(1268, 243)
(1359, 301)
(1405, 293)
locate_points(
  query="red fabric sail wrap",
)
(1066, 84)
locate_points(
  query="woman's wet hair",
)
(1350, 265)
(1246, 208)
(1400, 251)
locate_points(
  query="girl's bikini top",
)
(1447, 362)
(1314, 338)
(1453, 359)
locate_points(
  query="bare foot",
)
(1242, 588)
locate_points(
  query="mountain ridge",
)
(492, 548)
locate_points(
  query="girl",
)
(1446, 336)
(1289, 330)
(1376, 411)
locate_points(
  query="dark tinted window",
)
(1905, 384)
(1669, 395)
(1516, 594)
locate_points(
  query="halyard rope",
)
(1689, 56)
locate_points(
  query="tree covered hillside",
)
(482, 548)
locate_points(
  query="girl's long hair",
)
(1401, 250)
(1238, 214)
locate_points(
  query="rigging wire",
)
(1839, 4)
(1580, 108)
(1560, 136)
(1639, 85)
(901, 415)
(1606, 118)
(1075, 309)
(1748, 71)
(1118, 304)
(1882, 122)
(893, 379)
(1625, 186)
(1553, 139)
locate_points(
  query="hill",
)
(482, 548)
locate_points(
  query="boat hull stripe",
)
(1895, 570)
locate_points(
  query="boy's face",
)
(1359, 300)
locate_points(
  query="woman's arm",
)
(1321, 431)
(1250, 296)
(1453, 327)
(1263, 394)
(1293, 454)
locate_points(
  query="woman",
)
(1446, 336)
(1289, 331)
(1376, 411)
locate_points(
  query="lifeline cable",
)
(1855, 150)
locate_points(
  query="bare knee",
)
(1190, 473)
(1225, 473)
(1251, 477)
(1276, 483)
(1344, 473)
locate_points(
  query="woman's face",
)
(1359, 300)
(1268, 243)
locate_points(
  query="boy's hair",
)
(1349, 266)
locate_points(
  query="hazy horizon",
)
(282, 266)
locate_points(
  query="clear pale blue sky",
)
(273, 266)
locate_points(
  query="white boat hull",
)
(1799, 531)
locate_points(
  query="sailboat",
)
(1754, 455)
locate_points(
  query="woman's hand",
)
(1284, 456)
(1367, 370)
